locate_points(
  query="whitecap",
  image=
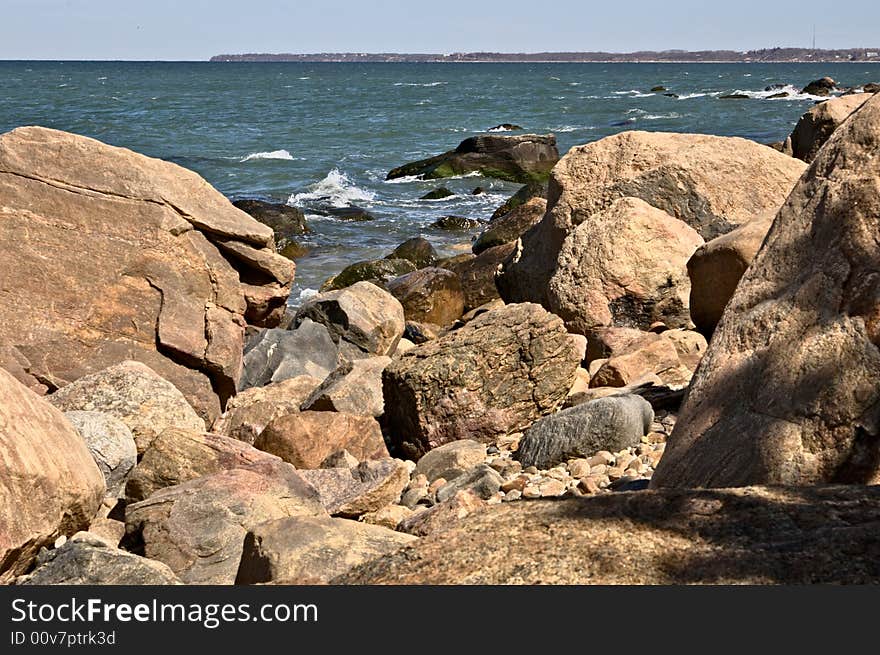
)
(500, 128)
(307, 294)
(660, 117)
(426, 84)
(688, 96)
(305, 78)
(794, 93)
(275, 154)
(336, 189)
(406, 179)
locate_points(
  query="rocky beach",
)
(652, 359)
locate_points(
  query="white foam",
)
(660, 117)
(633, 94)
(307, 294)
(688, 96)
(427, 84)
(793, 92)
(336, 189)
(500, 128)
(275, 154)
(406, 179)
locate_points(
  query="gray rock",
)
(417, 250)
(451, 460)
(612, 423)
(482, 480)
(111, 444)
(88, 560)
(368, 487)
(275, 355)
(354, 388)
(307, 550)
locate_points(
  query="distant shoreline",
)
(767, 56)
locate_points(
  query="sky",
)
(198, 29)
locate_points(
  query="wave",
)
(500, 128)
(275, 154)
(570, 128)
(794, 93)
(420, 84)
(632, 93)
(406, 179)
(336, 189)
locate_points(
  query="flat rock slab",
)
(308, 550)
(755, 535)
(177, 456)
(197, 528)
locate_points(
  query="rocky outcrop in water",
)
(523, 158)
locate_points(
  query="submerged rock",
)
(377, 271)
(417, 250)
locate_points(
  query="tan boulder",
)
(113, 256)
(249, 412)
(711, 183)
(136, 395)
(312, 550)
(625, 266)
(49, 484)
(355, 387)
(717, 267)
(307, 439)
(197, 528)
(787, 392)
(496, 374)
(363, 315)
(365, 488)
(816, 126)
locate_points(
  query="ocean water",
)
(319, 134)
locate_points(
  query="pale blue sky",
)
(197, 29)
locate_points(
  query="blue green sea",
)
(326, 134)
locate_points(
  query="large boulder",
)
(49, 483)
(818, 124)
(275, 355)
(111, 444)
(286, 221)
(136, 395)
(312, 550)
(822, 87)
(717, 266)
(355, 387)
(429, 295)
(711, 183)
(512, 225)
(86, 559)
(197, 528)
(496, 374)
(787, 392)
(624, 267)
(177, 456)
(113, 256)
(757, 535)
(477, 275)
(306, 439)
(363, 315)
(613, 424)
(524, 158)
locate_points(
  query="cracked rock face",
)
(111, 255)
(495, 375)
(787, 392)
